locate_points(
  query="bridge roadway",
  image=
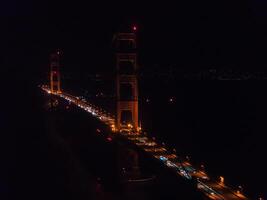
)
(181, 166)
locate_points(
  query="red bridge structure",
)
(125, 122)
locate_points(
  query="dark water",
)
(53, 156)
(91, 156)
(60, 156)
(220, 124)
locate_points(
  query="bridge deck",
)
(181, 166)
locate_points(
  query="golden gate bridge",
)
(125, 123)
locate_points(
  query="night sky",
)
(186, 34)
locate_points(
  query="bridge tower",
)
(55, 85)
(126, 81)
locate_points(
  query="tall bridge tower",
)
(126, 81)
(55, 85)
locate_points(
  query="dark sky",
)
(189, 34)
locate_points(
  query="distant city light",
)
(134, 28)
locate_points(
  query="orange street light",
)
(221, 180)
(239, 190)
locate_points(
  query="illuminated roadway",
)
(181, 166)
